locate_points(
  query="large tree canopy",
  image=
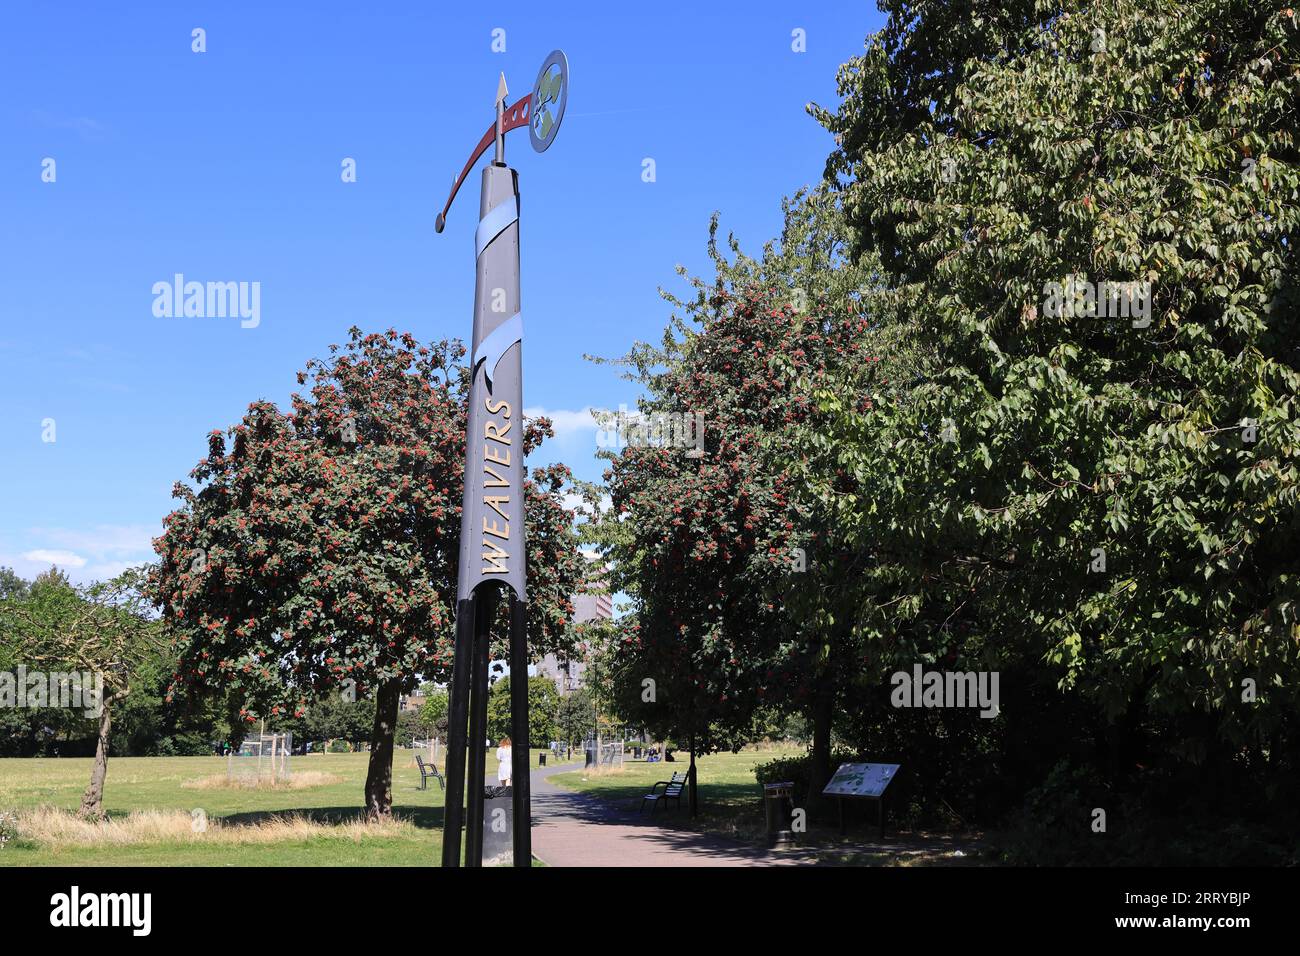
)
(735, 582)
(1071, 235)
(319, 548)
(1113, 495)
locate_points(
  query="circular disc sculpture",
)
(546, 106)
(492, 517)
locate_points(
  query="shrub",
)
(1163, 818)
(1054, 828)
(8, 828)
(798, 769)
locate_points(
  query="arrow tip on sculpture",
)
(541, 112)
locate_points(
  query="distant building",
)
(568, 674)
(592, 607)
(413, 702)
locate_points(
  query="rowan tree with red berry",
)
(317, 550)
(734, 579)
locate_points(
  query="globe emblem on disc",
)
(550, 95)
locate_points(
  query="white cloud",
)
(45, 557)
(109, 569)
(575, 502)
(566, 423)
(102, 540)
(91, 130)
(85, 554)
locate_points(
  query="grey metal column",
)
(492, 545)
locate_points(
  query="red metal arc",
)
(513, 118)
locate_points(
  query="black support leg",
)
(458, 713)
(485, 599)
(523, 837)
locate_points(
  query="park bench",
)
(672, 791)
(428, 770)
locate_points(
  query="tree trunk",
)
(92, 801)
(379, 776)
(695, 799)
(819, 765)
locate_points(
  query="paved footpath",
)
(574, 829)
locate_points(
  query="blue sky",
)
(225, 166)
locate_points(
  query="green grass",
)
(154, 784)
(250, 830)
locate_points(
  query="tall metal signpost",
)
(492, 520)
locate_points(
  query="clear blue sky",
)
(225, 166)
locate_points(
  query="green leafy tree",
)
(105, 629)
(433, 713)
(142, 723)
(575, 717)
(318, 551)
(736, 591)
(12, 587)
(332, 717)
(408, 726)
(1111, 493)
(543, 706)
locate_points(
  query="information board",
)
(861, 780)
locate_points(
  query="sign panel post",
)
(492, 554)
(862, 781)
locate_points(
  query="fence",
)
(261, 757)
(606, 754)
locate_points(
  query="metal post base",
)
(523, 848)
(458, 712)
(467, 730)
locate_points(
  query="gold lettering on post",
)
(495, 556)
(495, 559)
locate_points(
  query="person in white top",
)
(505, 762)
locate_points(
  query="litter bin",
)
(498, 826)
(778, 802)
(541, 760)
